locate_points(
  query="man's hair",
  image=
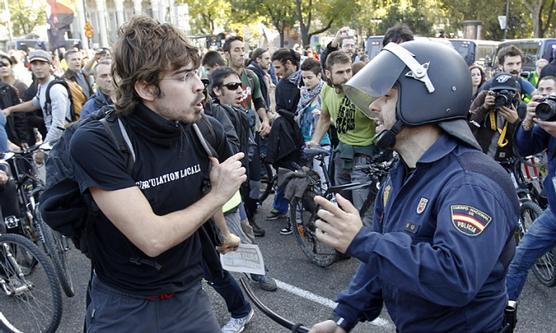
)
(101, 63)
(398, 33)
(11, 60)
(228, 43)
(217, 77)
(70, 52)
(509, 51)
(357, 66)
(144, 51)
(283, 55)
(337, 57)
(312, 65)
(257, 53)
(548, 77)
(213, 58)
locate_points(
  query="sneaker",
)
(265, 282)
(257, 231)
(237, 325)
(287, 230)
(275, 215)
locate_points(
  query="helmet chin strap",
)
(386, 139)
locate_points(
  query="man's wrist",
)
(342, 322)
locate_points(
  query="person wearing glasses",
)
(148, 242)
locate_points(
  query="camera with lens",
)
(546, 109)
(505, 98)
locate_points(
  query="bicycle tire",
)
(303, 213)
(544, 268)
(267, 182)
(56, 249)
(27, 298)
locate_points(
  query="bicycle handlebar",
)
(296, 328)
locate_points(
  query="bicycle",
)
(268, 182)
(29, 188)
(303, 210)
(29, 287)
(529, 192)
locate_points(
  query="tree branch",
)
(326, 27)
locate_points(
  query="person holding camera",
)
(494, 116)
(537, 133)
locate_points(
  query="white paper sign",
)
(246, 259)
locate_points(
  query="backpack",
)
(62, 205)
(75, 93)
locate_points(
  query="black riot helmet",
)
(434, 87)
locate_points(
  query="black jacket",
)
(284, 141)
(17, 127)
(287, 93)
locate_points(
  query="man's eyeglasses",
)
(232, 86)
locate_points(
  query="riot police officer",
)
(441, 240)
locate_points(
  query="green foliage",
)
(413, 17)
(26, 15)
(208, 15)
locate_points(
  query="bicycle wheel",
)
(30, 296)
(303, 213)
(545, 267)
(267, 182)
(57, 247)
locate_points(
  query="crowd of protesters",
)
(266, 105)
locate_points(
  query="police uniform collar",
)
(442, 147)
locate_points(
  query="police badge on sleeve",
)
(469, 220)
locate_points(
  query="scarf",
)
(307, 96)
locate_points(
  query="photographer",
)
(494, 116)
(534, 136)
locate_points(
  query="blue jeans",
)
(346, 176)
(230, 290)
(540, 238)
(280, 203)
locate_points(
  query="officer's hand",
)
(338, 225)
(226, 177)
(489, 101)
(328, 326)
(510, 113)
(548, 126)
(229, 243)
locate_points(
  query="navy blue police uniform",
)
(440, 246)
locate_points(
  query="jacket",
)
(284, 141)
(439, 247)
(480, 124)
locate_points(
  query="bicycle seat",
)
(312, 152)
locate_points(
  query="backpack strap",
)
(48, 100)
(115, 128)
(203, 128)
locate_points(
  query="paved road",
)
(288, 265)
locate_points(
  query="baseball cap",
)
(505, 81)
(41, 55)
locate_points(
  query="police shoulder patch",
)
(469, 220)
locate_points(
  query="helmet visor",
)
(374, 80)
